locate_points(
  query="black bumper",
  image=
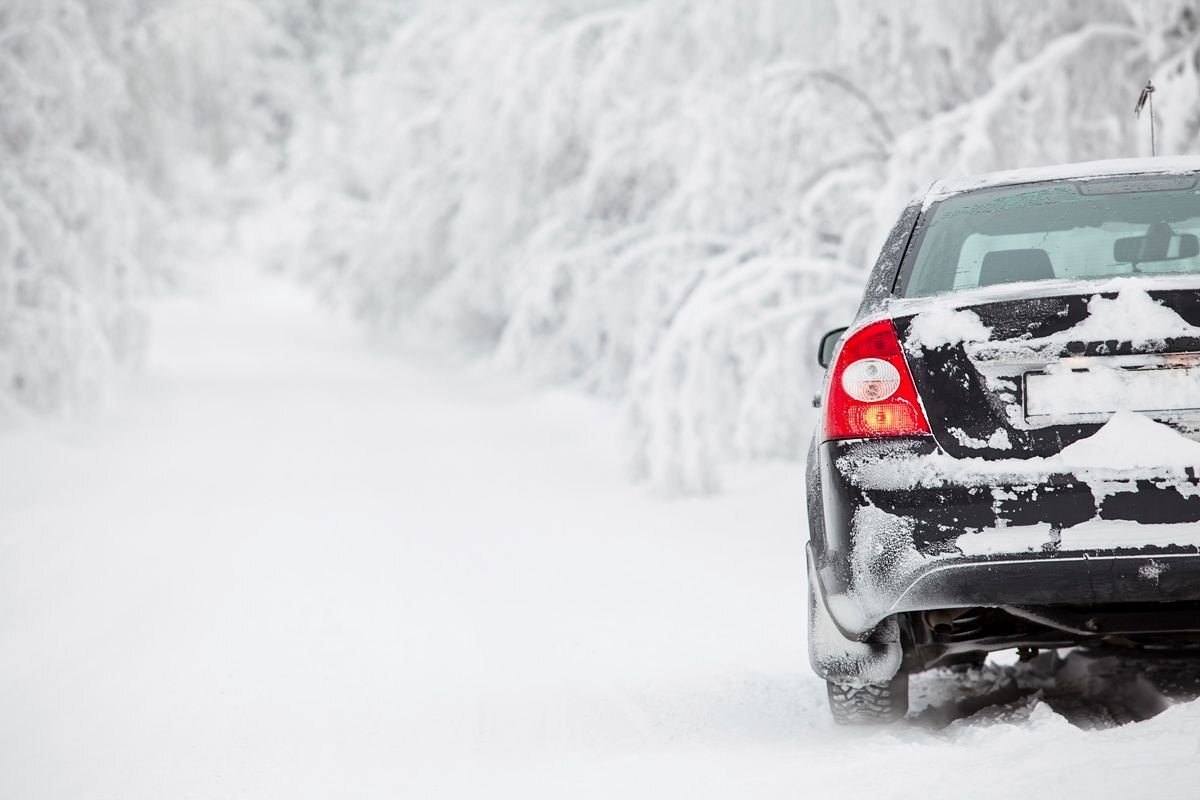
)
(888, 543)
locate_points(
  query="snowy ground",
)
(286, 566)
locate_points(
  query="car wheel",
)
(869, 703)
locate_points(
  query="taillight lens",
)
(871, 393)
(870, 380)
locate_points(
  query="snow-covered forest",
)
(333, 331)
(126, 128)
(662, 202)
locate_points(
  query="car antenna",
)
(1147, 96)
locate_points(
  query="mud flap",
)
(844, 661)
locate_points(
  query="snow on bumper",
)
(905, 530)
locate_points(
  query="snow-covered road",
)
(286, 566)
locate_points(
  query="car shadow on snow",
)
(1091, 689)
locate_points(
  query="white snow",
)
(1133, 315)
(839, 655)
(1056, 287)
(1101, 388)
(1019, 539)
(1093, 534)
(1131, 441)
(1153, 571)
(997, 440)
(285, 565)
(1128, 441)
(945, 325)
(884, 557)
(633, 198)
(1101, 534)
(289, 567)
(1085, 170)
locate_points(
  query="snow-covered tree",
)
(662, 201)
(70, 245)
(111, 114)
(669, 201)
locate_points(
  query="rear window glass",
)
(1081, 230)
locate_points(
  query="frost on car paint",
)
(1140, 320)
(833, 652)
(1085, 171)
(998, 440)
(1132, 317)
(1094, 534)
(1153, 571)
(885, 558)
(1128, 441)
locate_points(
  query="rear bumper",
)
(895, 539)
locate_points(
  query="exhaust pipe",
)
(941, 621)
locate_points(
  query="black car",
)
(1009, 443)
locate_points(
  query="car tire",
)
(870, 703)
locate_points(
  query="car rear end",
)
(1010, 440)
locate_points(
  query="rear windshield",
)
(1080, 230)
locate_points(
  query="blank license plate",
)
(1102, 391)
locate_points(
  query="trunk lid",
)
(1003, 374)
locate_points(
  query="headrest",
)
(1010, 266)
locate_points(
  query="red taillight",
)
(871, 393)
